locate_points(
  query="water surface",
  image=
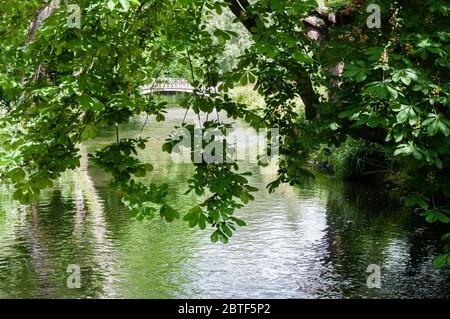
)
(314, 241)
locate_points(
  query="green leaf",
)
(239, 222)
(160, 117)
(244, 80)
(443, 128)
(438, 163)
(403, 149)
(392, 91)
(412, 117)
(431, 218)
(398, 136)
(361, 76)
(381, 91)
(168, 213)
(417, 200)
(89, 132)
(202, 222)
(302, 57)
(442, 217)
(43, 183)
(432, 128)
(441, 261)
(135, 2)
(226, 230)
(223, 238)
(244, 197)
(218, 8)
(140, 172)
(251, 78)
(196, 216)
(402, 116)
(417, 155)
(334, 126)
(17, 175)
(215, 237)
(349, 113)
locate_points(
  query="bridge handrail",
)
(171, 85)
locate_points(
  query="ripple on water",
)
(305, 242)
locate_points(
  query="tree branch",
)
(41, 14)
(239, 9)
(316, 26)
(306, 91)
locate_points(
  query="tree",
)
(387, 85)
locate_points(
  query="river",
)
(313, 241)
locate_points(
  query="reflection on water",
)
(308, 242)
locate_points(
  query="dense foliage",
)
(60, 85)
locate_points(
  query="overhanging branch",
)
(316, 25)
(240, 9)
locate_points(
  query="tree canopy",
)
(389, 85)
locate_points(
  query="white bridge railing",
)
(170, 85)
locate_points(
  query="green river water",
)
(314, 241)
